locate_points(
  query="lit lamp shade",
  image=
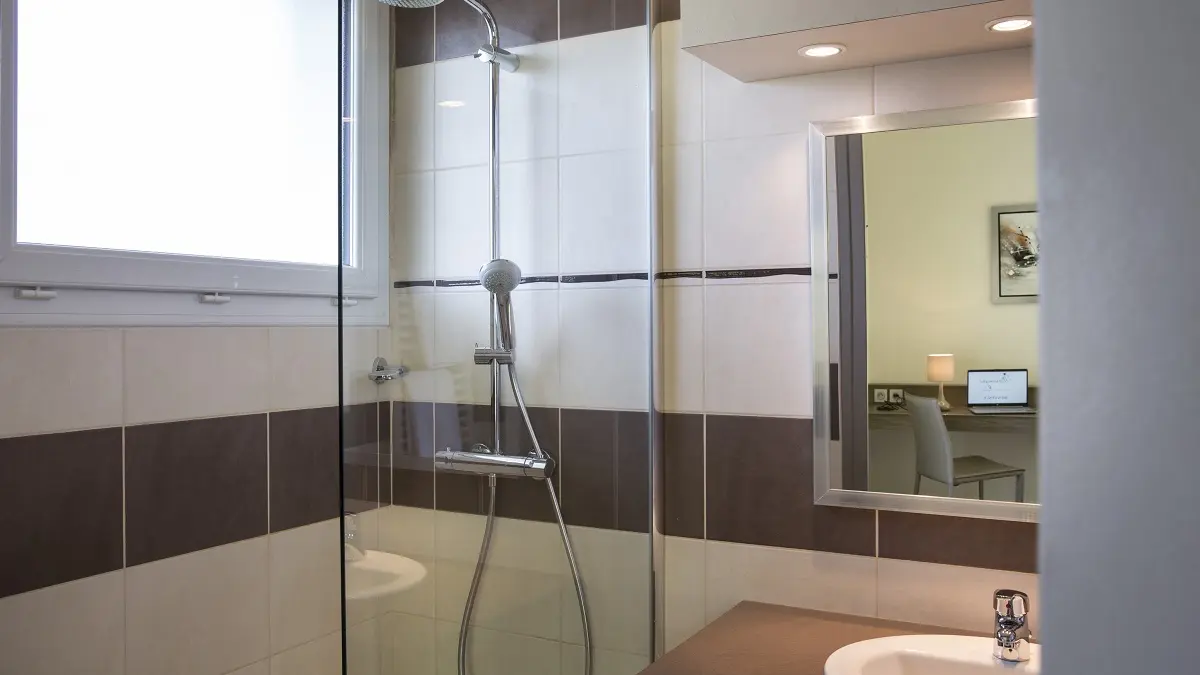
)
(939, 367)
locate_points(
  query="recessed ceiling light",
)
(822, 51)
(1010, 24)
(451, 104)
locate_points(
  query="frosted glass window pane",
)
(201, 128)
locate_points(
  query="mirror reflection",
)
(941, 306)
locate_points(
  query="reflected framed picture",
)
(1016, 253)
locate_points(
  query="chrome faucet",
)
(1012, 625)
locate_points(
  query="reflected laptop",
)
(998, 392)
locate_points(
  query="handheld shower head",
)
(412, 4)
(500, 277)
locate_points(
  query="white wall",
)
(1119, 187)
(930, 243)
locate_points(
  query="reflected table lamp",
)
(940, 368)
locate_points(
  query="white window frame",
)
(105, 287)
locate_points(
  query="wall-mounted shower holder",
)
(381, 372)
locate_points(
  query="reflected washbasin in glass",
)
(374, 574)
(927, 655)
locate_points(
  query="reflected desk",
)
(957, 419)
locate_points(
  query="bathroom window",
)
(153, 147)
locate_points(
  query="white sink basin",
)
(927, 655)
(374, 574)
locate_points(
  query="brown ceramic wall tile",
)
(197, 484)
(629, 13)
(360, 457)
(668, 10)
(759, 480)
(460, 30)
(585, 17)
(305, 453)
(523, 498)
(414, 36)
(412, 454)
(460, 426)
(633, 471)
(950, 540)
(588, 474)
(840, 530)
(60, 508)
(683, 461)
(385, 453)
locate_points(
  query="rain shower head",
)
(412, 4)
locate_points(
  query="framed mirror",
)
(925, 281)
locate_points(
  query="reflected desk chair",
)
(935, 456)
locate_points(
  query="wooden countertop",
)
(759, 639)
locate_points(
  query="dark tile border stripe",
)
(601, 278)
(749, 273)
(758, 272)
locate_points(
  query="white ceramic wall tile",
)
(462, 323)
(682, 89)
(407, 645)
(77, 627)
(413, 339)
(413, 226)
(66, 379)
(947, 595)
(536, 346)
(616, 573)
(757, 346)
(306, 596)
(682, 243)
(810, 579)
(604, 661)
(735, 109)
(182, 373)
(514, 600)
(362, 649)
(529, 216)
(360, 346)
(408, 532)
(412, 137)
(322, 656)
(304, 367)
(604, 213)
(524, 574)
(205, 612)
(683, 348)
(685, 582)
(756, 202)
(529, 104)
(494, 653)
(954, 81)
(604, 348)
(602, 91)
(463, 95)
(463, 230)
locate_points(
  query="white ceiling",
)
(912, 37)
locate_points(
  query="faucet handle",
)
(1010, 603)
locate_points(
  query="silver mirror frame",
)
(820, 196)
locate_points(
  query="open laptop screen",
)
(997, 387)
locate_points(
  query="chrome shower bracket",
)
(486, 356)
(381, 372)
(507, 61)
